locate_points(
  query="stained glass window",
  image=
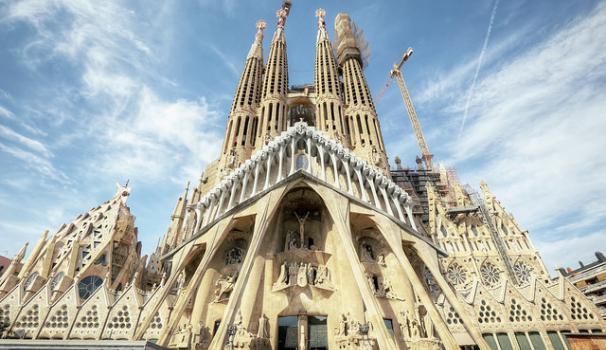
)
(287, 332)
(318, 337)
(89, 285)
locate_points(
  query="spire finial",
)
(282, 13)
(260, 26)
(321, 13)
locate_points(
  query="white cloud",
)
(135, 131)
(160, 137)
(536, 127)
(557, 254)
(30, 143)
(35, 163)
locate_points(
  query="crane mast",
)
(397, 73)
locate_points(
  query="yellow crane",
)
(397, 73)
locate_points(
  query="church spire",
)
(365, 132)
(240, 136)
(329, 106)
(275, 86)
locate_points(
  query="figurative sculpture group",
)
(224, 286)
(303, 274)
(417, 324)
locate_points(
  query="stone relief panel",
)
(303, 274)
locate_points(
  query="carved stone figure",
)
(366, 253)
(224, 286)
(291, 241)
(342, 328)
(322, 276)
(263, 331)
(302, 275)
(180, 280)
(293, 270)
(283, 277)
(405, 326)
(301, 221)
(311, 274)
(233, 256)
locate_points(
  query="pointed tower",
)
(329, 106)
(275, 87)
(242, 124)
(360, 115)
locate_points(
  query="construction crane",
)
(397, 73)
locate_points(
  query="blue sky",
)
(98, 92)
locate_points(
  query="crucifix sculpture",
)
(301, 227)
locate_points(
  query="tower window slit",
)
(254, 130)
(368, 130)
(235, 142)
(245, 131)
(270, 111)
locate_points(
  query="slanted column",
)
(232, 196)
(371, 182)
(268, 171)
(386, 200)
(335, 170)
(348, 173)
(220, 206)
(321, 151)
(198, 212)
(396, 203)
(410, 218)
(292, 156)
(361, 182)
(244, 185)
(211, 207)
(280, 161)
(308, 156)
(256, 178)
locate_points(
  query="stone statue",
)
(311, 274)
(366, 253)
(180, 280)
(388, 289)
(302, 275)
(342, 328)
(301, 221)
(291, 240)
(283, 277)
(322, 276)
(405, 326)
(426, 323)
(263, 331)
(414, 327)
(233, 256)
(293, 270)
(163, 280)
(224, 286)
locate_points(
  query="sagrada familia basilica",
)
(299, 236)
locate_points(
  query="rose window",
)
(88, 286)
(522, 272)
(456, 274)
(491, 275)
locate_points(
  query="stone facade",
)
(299, 237)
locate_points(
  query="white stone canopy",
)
(302, 148)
